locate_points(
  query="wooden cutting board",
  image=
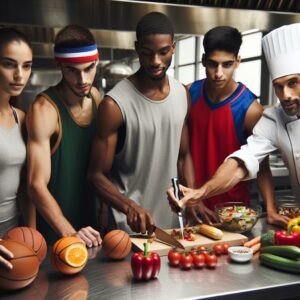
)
(233, 239)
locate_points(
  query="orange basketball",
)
(31, 237)
(69, 255)
(25, 266)
(116, 244)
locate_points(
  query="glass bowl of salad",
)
(237, 216)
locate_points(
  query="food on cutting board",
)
(237, 217)
(283, 258)
(210, 231)
(190, 232)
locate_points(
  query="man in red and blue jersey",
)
(222, 116)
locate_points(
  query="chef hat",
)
(282, 50)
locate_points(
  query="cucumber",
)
(280, 263)
(292, 252)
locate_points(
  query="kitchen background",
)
(113, 24)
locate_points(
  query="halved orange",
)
(75, 255)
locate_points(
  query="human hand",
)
(196, 212)
(190, 197)
(276, 219)
(139, 219)
(89, 236)
(5, 254)
(93, 252)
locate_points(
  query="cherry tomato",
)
(225, 248)
(174, 258)
(193, 252)
(186, 261)
(211, 260)
(218, 249)
(199, 260)
(202, 249)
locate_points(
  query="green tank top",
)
(69, 164)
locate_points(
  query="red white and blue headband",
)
(76, 55)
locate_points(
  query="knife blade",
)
(166, 238)
(175, 184)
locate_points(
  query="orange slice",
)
(76, 255)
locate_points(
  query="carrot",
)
(255, 247)
(253, 242)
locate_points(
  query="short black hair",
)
(154, 23)
(223, 38)
(74, 36)
(8, 35)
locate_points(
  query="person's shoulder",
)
(122, 84)
(247, 90)
(271, 110)
(43, 105)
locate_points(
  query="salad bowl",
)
(237, 216)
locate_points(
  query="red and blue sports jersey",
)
(217, 130)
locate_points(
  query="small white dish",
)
(240, 253)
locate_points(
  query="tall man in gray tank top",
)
(142, 139)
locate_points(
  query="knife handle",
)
(175, 183)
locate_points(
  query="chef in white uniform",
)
(278, 128)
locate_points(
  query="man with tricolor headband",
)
(142, 135)
(278, 128)
(61, 125)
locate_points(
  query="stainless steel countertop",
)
(104, 279)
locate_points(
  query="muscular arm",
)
(230, 172)
(185, 163)
(264, 176)
(42, 121)
(26, 205)
(103, 151)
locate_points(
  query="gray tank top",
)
(143, 169)
(12, 158)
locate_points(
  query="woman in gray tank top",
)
(15, 69)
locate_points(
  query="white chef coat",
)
(275, 130)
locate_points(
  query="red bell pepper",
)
(284, 237)
(145, 265)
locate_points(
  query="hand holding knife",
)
(175, 183)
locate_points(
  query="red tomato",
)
(199, 260)
(211, 260)
(193, 252)
(174, 258)
(218, 249)
(202, 249)
(186, 261)
(225, 248)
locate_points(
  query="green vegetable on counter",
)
(280, 263)
(291, 252)
(267, 239)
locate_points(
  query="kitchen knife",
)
(175, 184)
(166, 238)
